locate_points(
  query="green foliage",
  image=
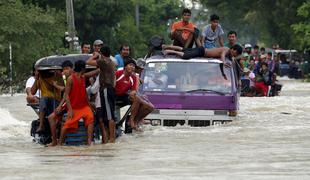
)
(302, 29)
(264, 22)
(33, 32)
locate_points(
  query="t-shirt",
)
(185, 33)
(210, 35)
(120, 61)
(29, 84)
(125, 83)
(47, 88)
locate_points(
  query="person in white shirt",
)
(31, 99)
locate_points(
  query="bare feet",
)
(52, 144)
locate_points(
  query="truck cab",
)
(195, 92)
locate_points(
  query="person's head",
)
(256, 49)
(105, 51)
(236, 50)
(91, 81)
(214, 19)
(264, 66)
(85, 48)
(140, 66)
(262, 50)
(79, 66)
(97, 45)
(263, 57)
(186, 14)
(129, 65)
(248, 48)
(67, 68)
(124, 50)
(232, 37)
(269, 55)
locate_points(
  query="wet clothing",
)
(125, 83)
(77, 95)
(85, 112)
(47, 89)
(193, 52)
(48, 105)
(107, 70)
(107, 97)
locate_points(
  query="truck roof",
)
(177, 59)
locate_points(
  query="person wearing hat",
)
(127, 83)
(248, 48)
(97, 45)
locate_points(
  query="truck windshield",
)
(186, 77)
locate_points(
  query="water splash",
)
(11, 127)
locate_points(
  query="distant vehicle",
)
(189, 92)
(288, 63)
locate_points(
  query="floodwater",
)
(270, 140)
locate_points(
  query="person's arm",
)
(59, 87)
(224, 53)
(92, 60)
(35, 86)
(92, 73)
(221, 41)
(66, 96)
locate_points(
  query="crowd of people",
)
(116, 79)
(256, 69)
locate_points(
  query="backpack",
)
(155, 45)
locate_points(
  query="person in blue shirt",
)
(124, 52)
(213, 32)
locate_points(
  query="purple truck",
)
(195, 92)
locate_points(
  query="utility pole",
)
(11, 70)
(137, 13)
(72, 39)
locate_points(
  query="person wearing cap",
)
(124, 53)
(126, 87)
(213, 32)
(248, 48)
(97, 45)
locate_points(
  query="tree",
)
(33, 32)
(302, 29)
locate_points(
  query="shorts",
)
(48, 105)
(193, 52)
(59, 115)
(107, 97)
(123, 100)
(86, 113)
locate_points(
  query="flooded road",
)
(271, 140)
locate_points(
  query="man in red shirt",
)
(77, 103)
(183, 32)
(126, 87)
